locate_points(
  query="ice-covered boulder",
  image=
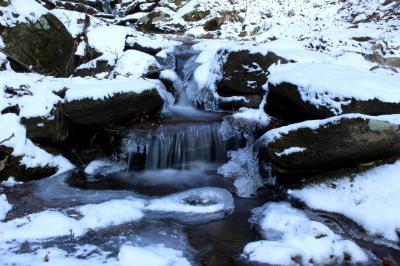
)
(35, 39)
(303, 91)
(318, 145)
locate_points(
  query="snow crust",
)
(292, 238)
(370, 199)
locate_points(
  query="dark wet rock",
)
(46, 130)
(196, 15)
(46, 46)
(14, 109)
(11, 166)
(122, 106)
(244, 72)
(149, 23)
(329, 144)
(285, 101)
(213, 24)
(78, 7)
(99, 66)
(4, 3)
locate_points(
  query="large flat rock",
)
(319, 145)
(306, 91)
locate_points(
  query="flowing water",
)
(181, 153)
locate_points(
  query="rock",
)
(158, 22)
(11, 166)
(122, 106)
(196, 15)
(213, 24)
(319, 145)
(299, 92)
(11, 109)
(46, 130)
(90, 70)
(252, 101)
(46, 45)
(78, 7)
(245, 72)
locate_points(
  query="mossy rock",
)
(44, 46)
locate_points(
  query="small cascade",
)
(177, 147)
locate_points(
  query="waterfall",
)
(177, 147)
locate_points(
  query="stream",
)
(183, 152)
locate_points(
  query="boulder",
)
(158, 22)
(46, 130)
(249, 101)
(44, 46)
(245, 72)
(93, 68)
(11, 166)
(298, 92)
(319, 145)
(117, 107)
(196, 15)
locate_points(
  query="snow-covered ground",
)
(370, 199)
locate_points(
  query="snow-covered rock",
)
(28, 20)
(333, 142)
(370, 198)
(320, 90)
(291, 238)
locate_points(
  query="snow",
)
(102, 166)
(156, 255)
(370, 199)
(292, 238)
(290, 150)
(27, 10)
(32, 155)
(277, 133)
(332, 86)
(5, 207)
(10, 182)
(52, 223)
(255, 115)
(135, 63)
(201, 201)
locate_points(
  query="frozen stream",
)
(163, 199)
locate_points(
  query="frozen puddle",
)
(291, 238)
(113, 232)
